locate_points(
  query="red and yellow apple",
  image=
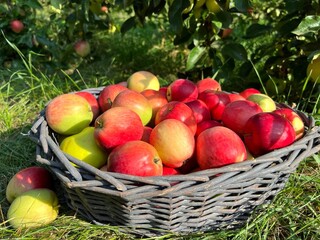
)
(68, 114)
(219, 146)
(136, 102)
(116, 126)
(136, 158)
(92, 100)
(177, 110)
(28, 179)
(156, 100)
(267, 131)
(294, 119)
(208, 84)
(108, 94)
(82, 48)
(174, 142)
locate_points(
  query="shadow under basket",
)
(214, 199)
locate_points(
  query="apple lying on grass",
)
(82, 48)
(135, 158)
(16, 26)
(68, 114)
(33, 208)
(28, 179)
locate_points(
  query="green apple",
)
(143, 80)
(84, 147)
(264, 101)
(33, 208)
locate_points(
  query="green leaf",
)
(33, 4)
(256, 30)
(235, 50)
(310, 24)
(57, 3)
(175, 14)
(194, 56)
(128, 24)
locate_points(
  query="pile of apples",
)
(139, 128)
(33, 202)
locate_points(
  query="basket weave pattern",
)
(222, 198)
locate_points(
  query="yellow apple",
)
(33, 208)
(313, 70)
(84, 147)
(142, 80)
(264, 101)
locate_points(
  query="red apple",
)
(189, 165)
(177, 110)
(16, 26)
(27, 179)
(82, 48)
(216, 102)
(156, 100)
(116, 126)
(249, 91)
(267, 131)
(68, 114)
(206, 124)
(146, 134)
(136, 102)
(182, 90)
(123, 83)
(294, 119)
(169, 171)
(219, 146)
(210, 98)
(135, 158)
(108, 94)
(200, 110)
(208, 84)
(163, 90)
(92, 100)
(174, 142)
(235, 97)
(236, 114)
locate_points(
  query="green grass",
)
(294, 214)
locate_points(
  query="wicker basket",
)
(222, 198)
